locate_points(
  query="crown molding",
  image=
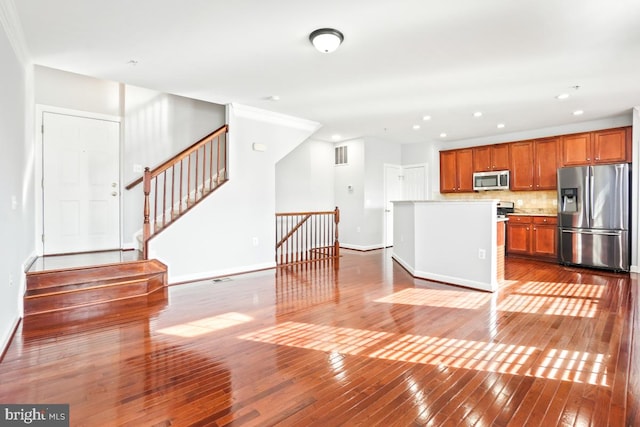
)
(258, 114)
(13, 29)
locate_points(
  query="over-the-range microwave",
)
(493, 180)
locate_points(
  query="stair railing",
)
(307, 237)
(177, 185)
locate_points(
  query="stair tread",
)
(81, 275)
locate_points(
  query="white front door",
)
(81, 190)
(392, 191)
(414, 183)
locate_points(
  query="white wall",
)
(359, 192)
(349, 194)
(377, 153)
(154, 127)
(157, 126)
(76, 92)
(16, 181)
(220, 232)
(305, 178)
(441, 240)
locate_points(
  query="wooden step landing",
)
(70, 288)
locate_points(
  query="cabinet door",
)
(576, 150)
(610, 146)
(546, 164)
(518, 238)
(464, 163)
(500, 157)
(448, 171)
(544, 241)
(482, 158)
(522, 165)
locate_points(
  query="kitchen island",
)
(450, 241)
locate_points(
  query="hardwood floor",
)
(367, 345)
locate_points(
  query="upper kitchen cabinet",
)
(599, 147)
(546, 164)
(456, 171)
(534, 164)
(612, 146)
(491, 157)
(521, 165)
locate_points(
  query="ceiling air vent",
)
(341, 155)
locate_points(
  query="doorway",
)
(80, 183)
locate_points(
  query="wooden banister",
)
(173, 188)
(181, 155)
(307, 237)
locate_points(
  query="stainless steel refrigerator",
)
(593, 216)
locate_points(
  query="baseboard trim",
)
(6, 342)
(206, 275)
(361, 248)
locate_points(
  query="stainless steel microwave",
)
(494, 180)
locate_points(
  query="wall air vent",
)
(341, 155)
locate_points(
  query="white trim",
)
(258, 114)
(40, 110)
(362, 248)
(10, 21)
(4, 344)
(489, 287)
(219, 273)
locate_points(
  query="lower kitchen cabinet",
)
(532, 236)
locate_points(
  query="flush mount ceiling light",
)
(326, 40)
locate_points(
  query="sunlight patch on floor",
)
(559, 364)
(206, 325)
(438, 298)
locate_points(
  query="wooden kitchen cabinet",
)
(521, 175)
(519, 235)
(534, 164)
(456, 171)
(491, 157)
(599, 147)
(532, 236)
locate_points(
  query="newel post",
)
(336, 243)
(146, 226)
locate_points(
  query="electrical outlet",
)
(357, 229)
(519, 202)
(10, 279)
(554, 202)
(482, 254)
(137, 168)
(255, 241)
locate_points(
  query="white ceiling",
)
(400, 60)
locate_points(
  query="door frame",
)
(385, 230)
(39, 165)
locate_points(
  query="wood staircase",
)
(64, 289)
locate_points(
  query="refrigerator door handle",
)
(591, 196)
(599, 232)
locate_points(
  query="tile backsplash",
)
(531, 202)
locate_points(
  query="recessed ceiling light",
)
(132, 62)
(578, 113)
(416, 127)
(425, 118)
(477, 114)
(336, 137)
(500, 125)
(443, 135)
(274, 98)
(562, 96)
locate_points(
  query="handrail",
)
(181, 155)
(177, 185)
(307, 237)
